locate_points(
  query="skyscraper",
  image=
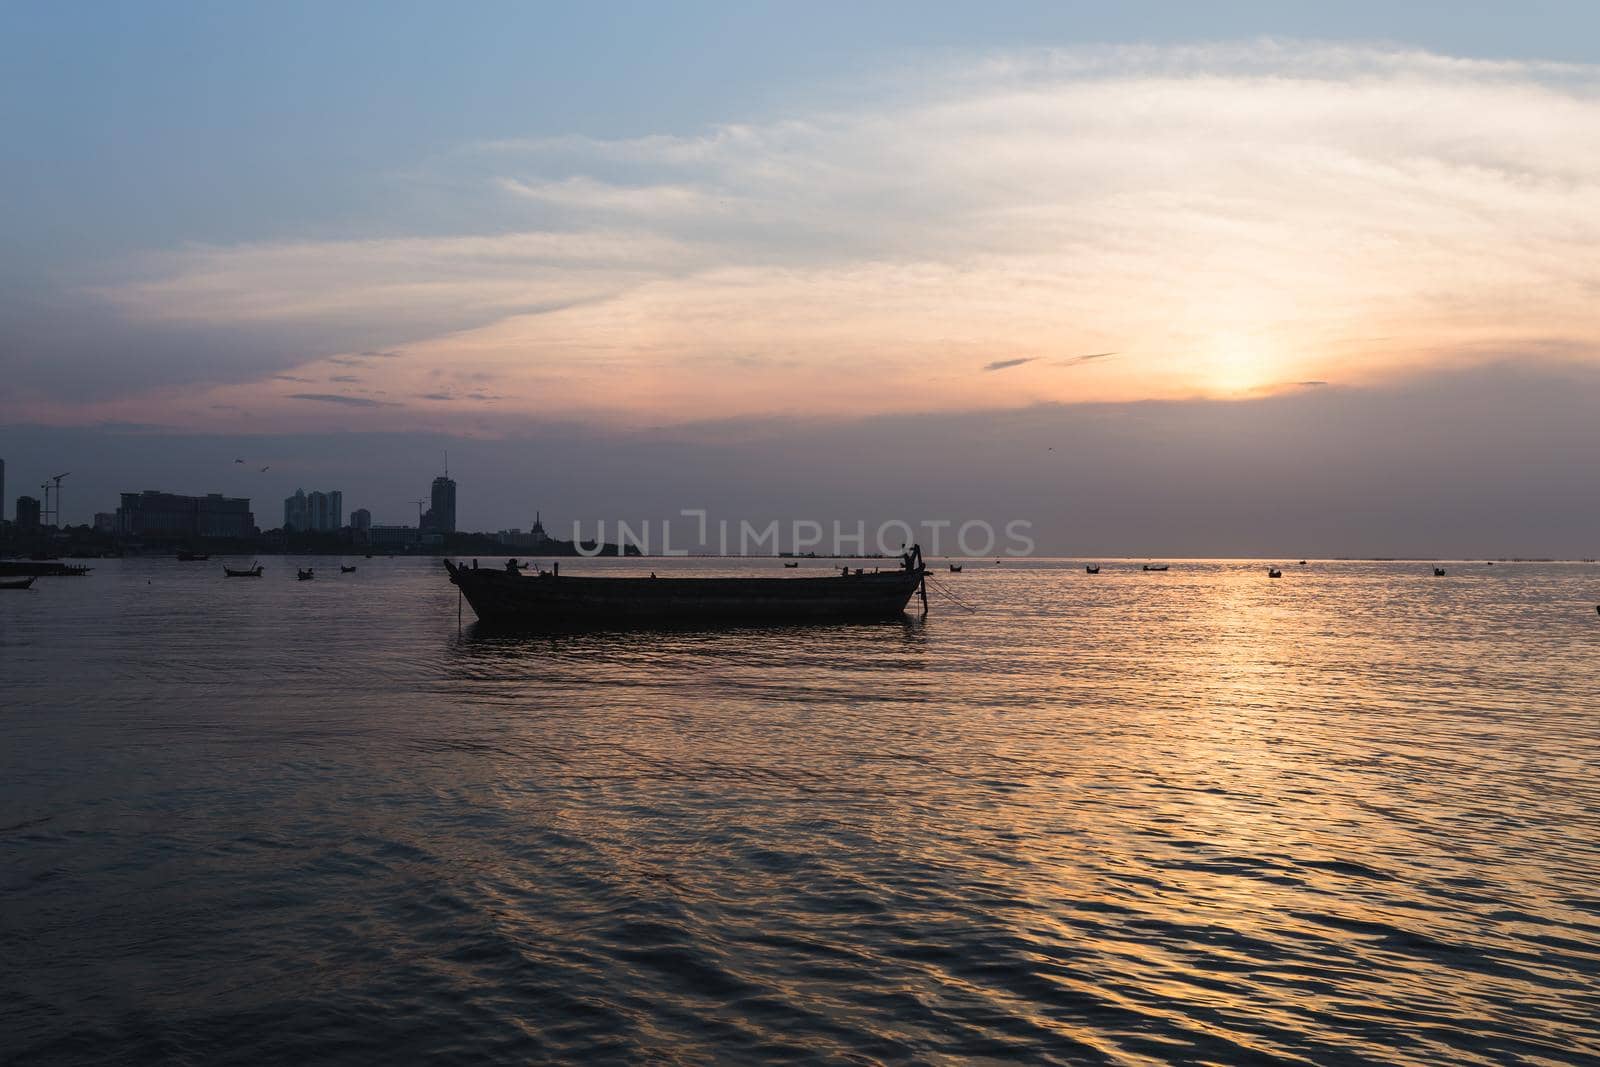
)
(319, 511)
(441, 517)
(325, 511)
(2, 490)
(295, 517)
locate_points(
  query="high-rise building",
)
(322, 512)
(27, 513)
(441, 517)
(2, 490)
(361, 519)
(105, 522)
(325, 511)
(168, 516)
(294, 512)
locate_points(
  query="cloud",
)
(1229, 217)
(340, 398)
(1074, 361)
(1312, 383)
(1002, 364)
(344, 377)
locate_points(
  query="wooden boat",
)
(1438, 572)
(304, 575)
(1273, 572)
(1155, 566)
(500, 597)
(16, 583)
(793, 565)
(955, 568)
(18, 568)
(253, 572)
(193, 557)
(1091, 568)
(346, 570)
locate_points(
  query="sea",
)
(1350, 815)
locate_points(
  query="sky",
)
(1226, 279)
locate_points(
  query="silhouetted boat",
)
(18, 568)
(1438, 572)
(253, 572)
(792, 565)
(193, 557)
(16, 583)
(1302, 563)
(346, 570)
(955, 568)
(1092, 568)
(304, 575)
(1273, 572)
(498, 596)
(1155, 566)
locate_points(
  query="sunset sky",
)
(1265, 277)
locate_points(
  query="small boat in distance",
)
(1302, 563)
(1273, 572)
(955, 568)
(1438, 572)
(188, 556)
(1091, 568)
(252, 572)
(796, 563)
(1155, 566)
(16, 568)
(304, 575)
(346, 570)
(17, 583)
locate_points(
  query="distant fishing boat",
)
(1155, 566)
(501, 597)
(304, 575)
(1273, 572)
(1438, 572)
(955, 568)
(16, 568)
(187, 556)
(1302, 563)
(1094, 568)
(252, 572)
(346, 570)
(792, 565)
(16, 583)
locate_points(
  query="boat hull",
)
(499, 597)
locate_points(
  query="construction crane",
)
(419, 504)
(51, 516)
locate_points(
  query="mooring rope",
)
(938, 587)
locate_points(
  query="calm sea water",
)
(1350, 815)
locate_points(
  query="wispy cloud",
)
(1002, 364)
(340, 398)
(1073, 361)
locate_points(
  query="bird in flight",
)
(238, 461)
(266, 468)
